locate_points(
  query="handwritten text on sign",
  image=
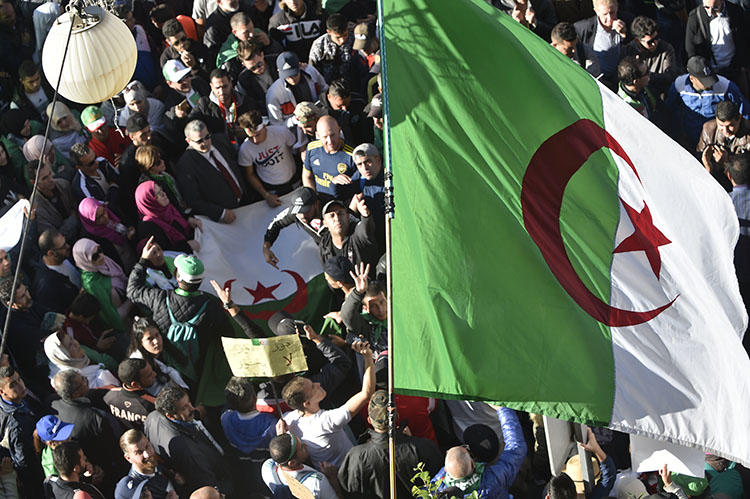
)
(265, 357)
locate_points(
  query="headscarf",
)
(62, 110)
(12, 122)
(83, 252)
(32, 149)
(163, 216)
(57, 354)
(87, 212)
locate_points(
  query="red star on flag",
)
(261, 292)
(646, 237)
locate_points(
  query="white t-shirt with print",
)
(323, 433)
(273, 158)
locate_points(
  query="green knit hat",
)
(190, 267)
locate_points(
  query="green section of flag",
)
(216, 370)
(477, 312)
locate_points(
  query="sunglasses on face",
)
(203, 139)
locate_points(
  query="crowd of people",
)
(240, 101)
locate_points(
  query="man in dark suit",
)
(208, 175)
(606, 33)
(56, 282)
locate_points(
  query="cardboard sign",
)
(296, 488)
(265, 357)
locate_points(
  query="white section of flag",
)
(11, 225)
(235, 251)
(684, 375)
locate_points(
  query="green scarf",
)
(379, 327)
(468, 483)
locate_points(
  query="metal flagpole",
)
(389, 210)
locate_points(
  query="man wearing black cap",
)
(465, 469)
(340, 237)
(364, 471)
(693, 97)
(303, 211)
(296, 83)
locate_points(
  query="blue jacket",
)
(498, 477)
(690, 109)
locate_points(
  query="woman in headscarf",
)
(151, 163)
(162, 220)
(103, 278)
(32, 151)
(64, 352)
(146, 342)
(103, 226)
(15, 130)
(66, 129)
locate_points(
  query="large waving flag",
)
(552, 250)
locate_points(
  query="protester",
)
(104, 279)
(64, 352)
(146, 342)
(162, 221)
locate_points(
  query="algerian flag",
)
(552, 250)
(232, 254)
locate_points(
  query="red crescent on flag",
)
(296, 305)
(544, 183)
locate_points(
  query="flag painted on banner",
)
(233, 256)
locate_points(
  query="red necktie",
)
(227, 176)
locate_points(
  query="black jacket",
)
(211, 114)
(297, 34)
(129, 407)
(189, 452)
(57, 488)
(359, 246)
(53, 290)
(586, 29)
(247, 83)
(213, 324)
(86, 187)
(96, 430)
(25, 345)
(17, 424)
(204, 189)
(205, 63)
(364, 471)
(698, 36)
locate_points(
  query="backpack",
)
(184, 334)
(280, 491)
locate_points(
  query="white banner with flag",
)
(233, 253)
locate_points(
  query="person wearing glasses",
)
(56, 283)
(208, 176)
(658, 54)
(256, 73)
